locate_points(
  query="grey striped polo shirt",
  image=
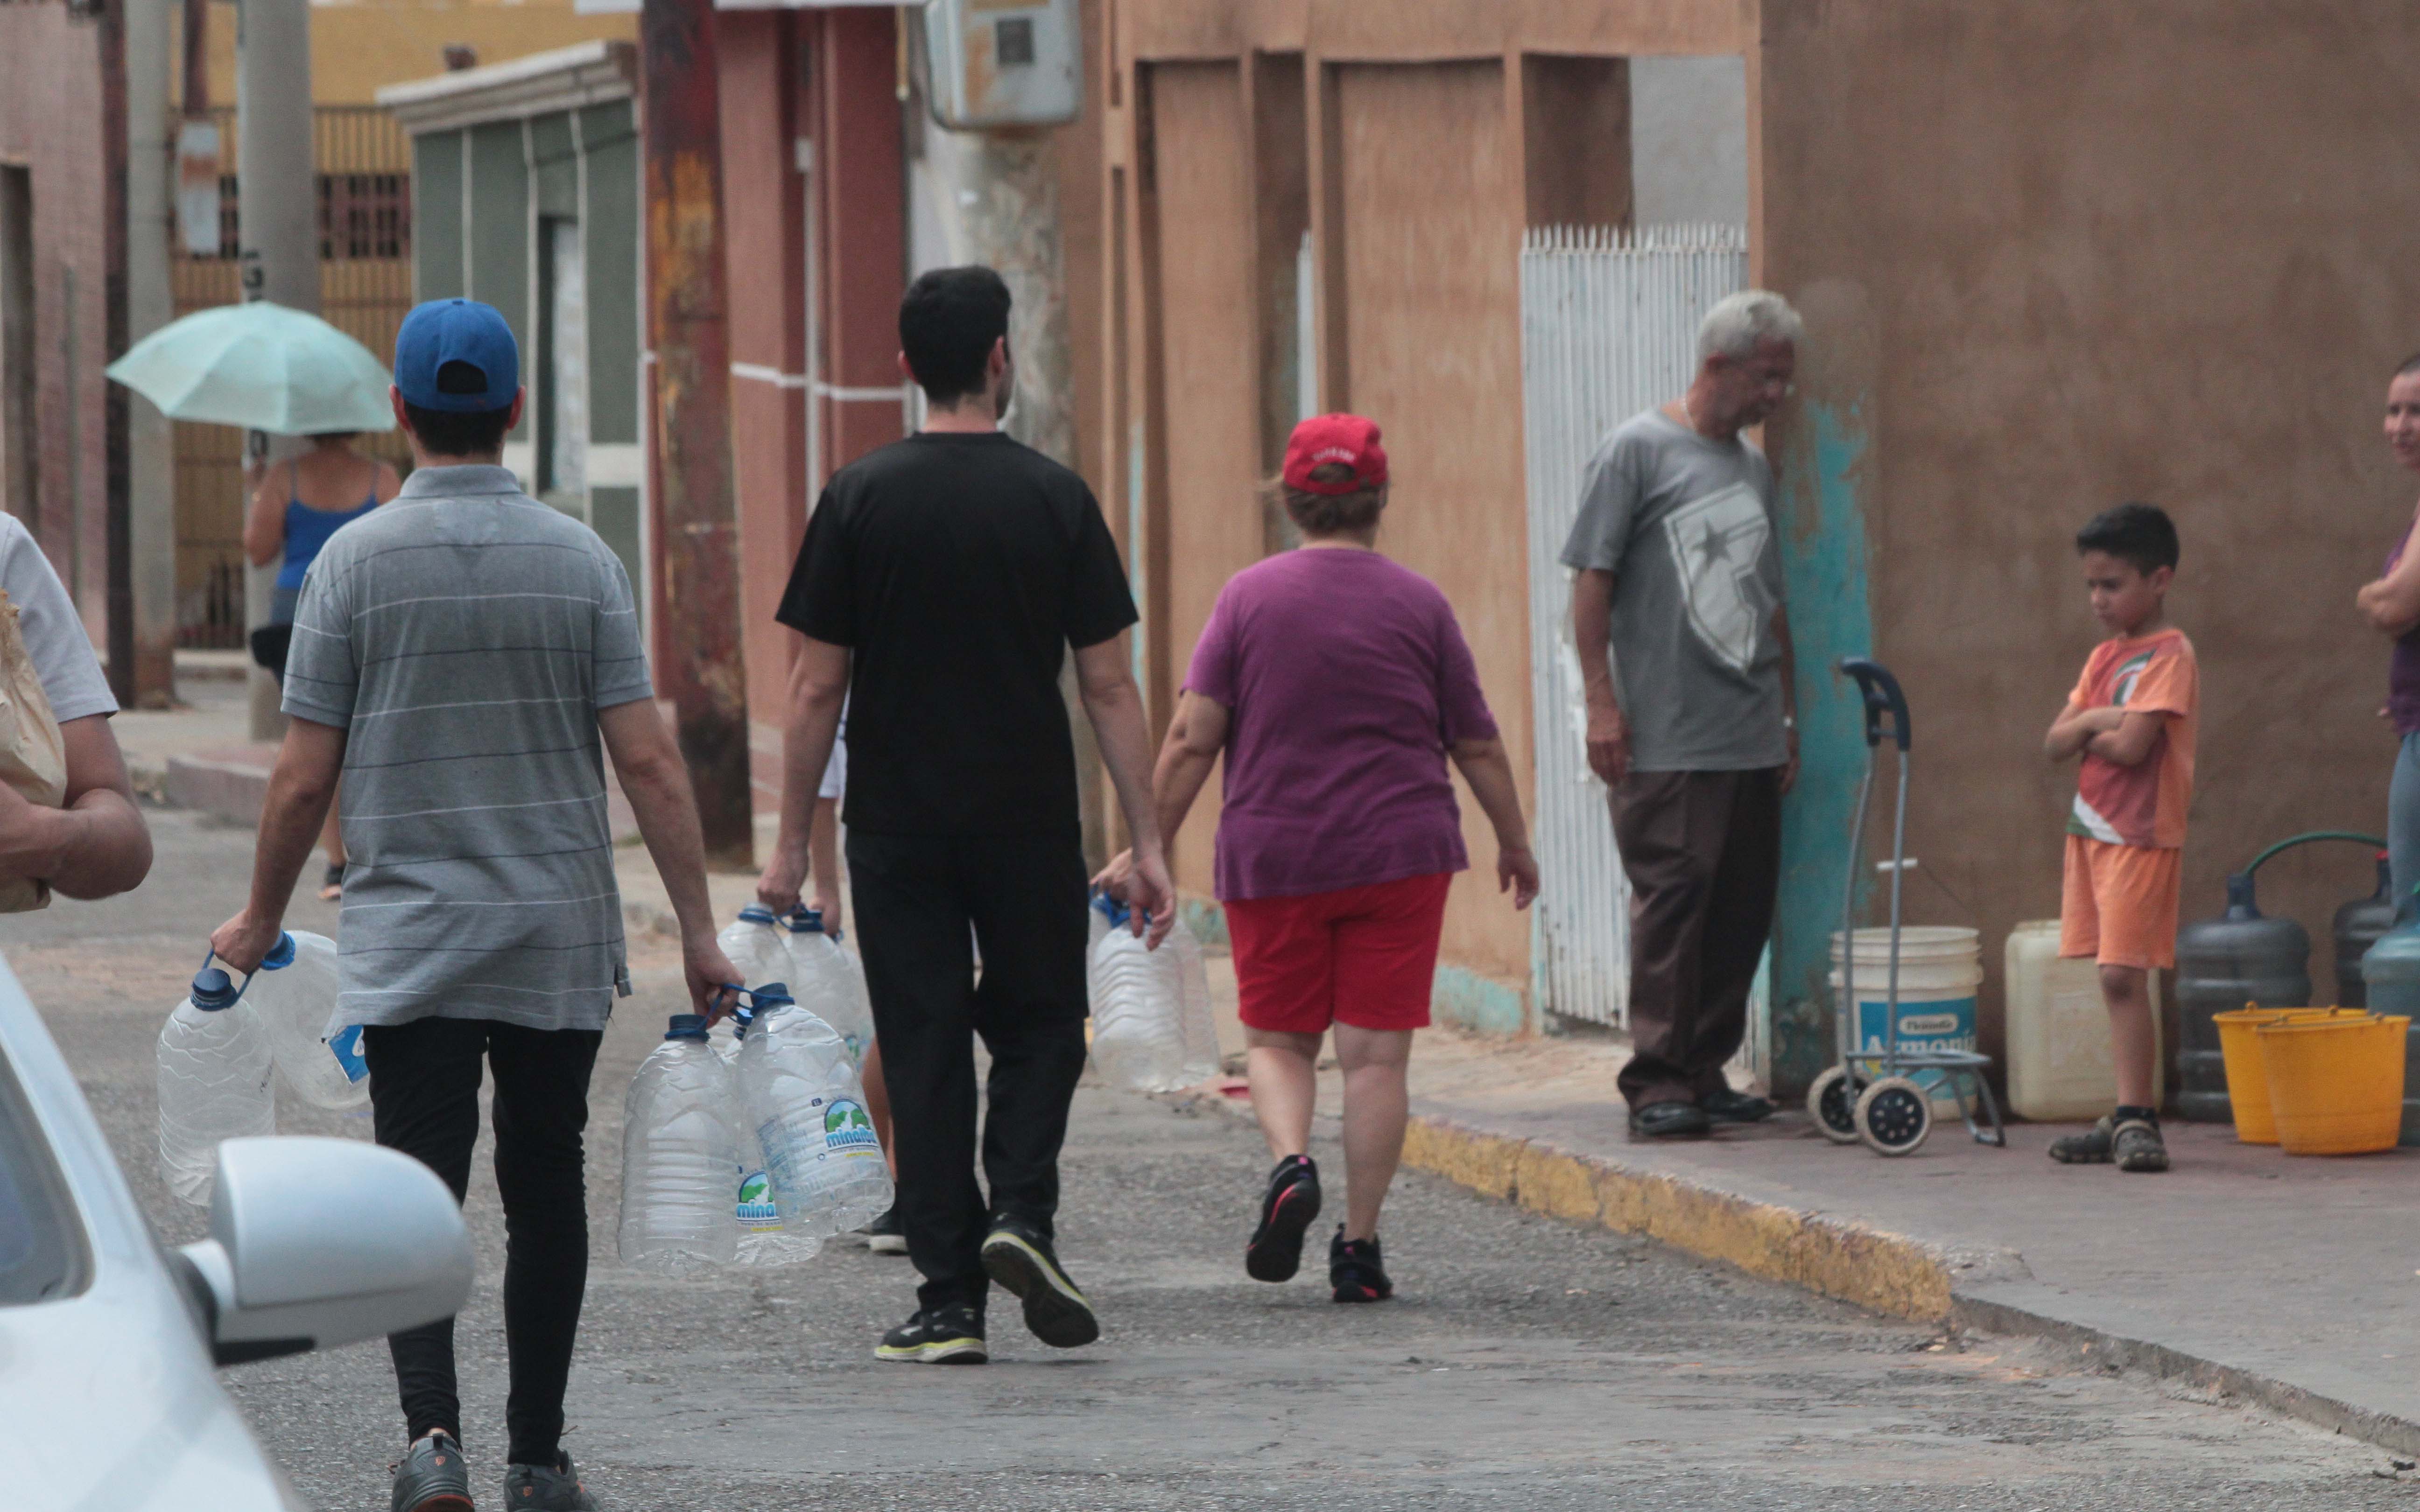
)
(465, 636)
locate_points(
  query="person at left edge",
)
(467, 657)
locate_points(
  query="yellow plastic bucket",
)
(2247, 1074)
(2335, 1086)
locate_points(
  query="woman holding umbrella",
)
(283, 373)
(296, 506)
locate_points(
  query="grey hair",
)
(1740, 323)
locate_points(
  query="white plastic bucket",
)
(1940, 968)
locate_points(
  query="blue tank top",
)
(308, 529)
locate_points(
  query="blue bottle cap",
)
(771, 995)
(214, 990)
(687, 1027)
(756, 914)
(804, 920)
(280, 955)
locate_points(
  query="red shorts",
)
(1363, 956)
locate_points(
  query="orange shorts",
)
(2119, 902)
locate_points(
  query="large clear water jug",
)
(679, 1149)
(1152, 1026)
(214, 1082)
(827, 981)
(294, 997)
(763, 1238)
(799, 1086)
(754, 943)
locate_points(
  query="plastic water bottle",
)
(763, 1239)
(754, 944)
(214, 1074)
(679, 1147)
(1152, 1026)
(293, 995)
(827, 981)
(800, 1087)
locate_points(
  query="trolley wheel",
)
(1894, 1116)
(1832, 1103)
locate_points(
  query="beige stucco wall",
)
(2058, 255)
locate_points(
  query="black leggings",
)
(425, 1101)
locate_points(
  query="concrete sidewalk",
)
(2291, 1282)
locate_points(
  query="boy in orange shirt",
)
(2130, 719)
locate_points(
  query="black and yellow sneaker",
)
(937, 1336)
(1017, 1256)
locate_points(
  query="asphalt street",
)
(1524, 1363)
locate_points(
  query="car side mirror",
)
(317, 1243)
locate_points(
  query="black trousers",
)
(1702, 851)
(1023, 894)
(425, 1101)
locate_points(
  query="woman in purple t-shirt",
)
(1337, 685)
(2392, 606)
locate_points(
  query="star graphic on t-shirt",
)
(1716, 546)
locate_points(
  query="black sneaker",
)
(884, 1236)
(1018, 1257)
(553, 1488)
(1287, 1208)
(938, 1335)
(431, 1477)
(1355, 1270)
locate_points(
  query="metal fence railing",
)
(1609, 325)
(364, 163)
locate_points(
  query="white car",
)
(108, 1402)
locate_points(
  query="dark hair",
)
(948, 321)
(335, 438)
(1329, 513)
(2141, 535)
(2410, 365)
(448, 432)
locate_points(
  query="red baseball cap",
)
(1325, 438)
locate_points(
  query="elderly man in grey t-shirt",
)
(1685, 650)
(469, 656)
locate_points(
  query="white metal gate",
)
(1610, 327)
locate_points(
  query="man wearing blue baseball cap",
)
(459, 656)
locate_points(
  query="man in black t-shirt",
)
(942, 581)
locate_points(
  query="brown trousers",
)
(1702, 851)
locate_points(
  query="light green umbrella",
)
(261, 366)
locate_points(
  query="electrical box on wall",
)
(992, 63)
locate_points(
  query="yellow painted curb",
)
(1872, 1268)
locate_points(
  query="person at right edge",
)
(1685, 654)
(2131, 722)
(942, 581)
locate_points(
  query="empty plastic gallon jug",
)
(799, 1087)
(2058, 1057)
(679, 1149)
(2392, 970)
(1152, 1029)
(763, 1239)
(214, 1070)
(2241, 957)
(754, 944)
(827, 981)
(2359, 924)
(293, 995)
